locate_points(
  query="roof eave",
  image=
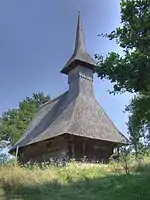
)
(76, 62)
(125, 141)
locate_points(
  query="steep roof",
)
(80, 116)
(80, 54)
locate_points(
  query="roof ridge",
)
(50, 101)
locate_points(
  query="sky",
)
(36, 40)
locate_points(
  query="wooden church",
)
(72, 125)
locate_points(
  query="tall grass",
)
(51, 182)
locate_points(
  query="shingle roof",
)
(81, 116)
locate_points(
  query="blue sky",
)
(37, 38)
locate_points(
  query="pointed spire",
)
(79, 44)
(80, 56)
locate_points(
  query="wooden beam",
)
(72, 149)
(83, 148)
(118, 151)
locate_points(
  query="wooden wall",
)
(44, 150)
(93, 149)
(73, 146)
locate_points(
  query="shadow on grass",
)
(114, 187)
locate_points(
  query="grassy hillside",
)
(75, 182)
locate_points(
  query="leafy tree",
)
(139, 120)
(14, 121)
(130, 72)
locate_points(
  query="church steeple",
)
(79, 43)
(80, 55)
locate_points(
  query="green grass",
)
(75, 182)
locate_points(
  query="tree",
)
(14, 121)
(139, 119)
(130, 72)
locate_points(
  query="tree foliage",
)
(139, 118)
(130, 72)
(14, 121)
